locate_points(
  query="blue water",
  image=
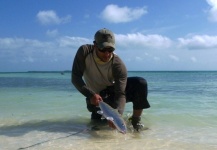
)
(44, 111)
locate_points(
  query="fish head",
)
(121, 126)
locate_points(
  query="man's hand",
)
(95, 99)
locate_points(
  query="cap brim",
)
(106, 44)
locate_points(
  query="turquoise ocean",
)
(44, 111)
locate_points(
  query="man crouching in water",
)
(105, 78)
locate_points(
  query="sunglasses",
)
(109, 50)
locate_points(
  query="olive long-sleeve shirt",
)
(90, 77)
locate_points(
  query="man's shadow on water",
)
(71, 127)
(58, 126)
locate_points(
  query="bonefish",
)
(112, 115)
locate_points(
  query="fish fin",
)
(100, 112)
(110, 118)
(102, 117)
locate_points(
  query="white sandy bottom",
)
(82, 138)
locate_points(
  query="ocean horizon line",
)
(69, 71)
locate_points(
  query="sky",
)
(151, 35)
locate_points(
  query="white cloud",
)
(47, 17)
(27, 44)
(153, 51)
(115, 14)
(28, 59)
(26, 50)
(52, 33)
(198, 42)
(156, 58)
(137, 58)
(17, 51)
(213, 10)
(139, 40)
(16, 43)
(193, 59)
(173, 57)
(68, 41)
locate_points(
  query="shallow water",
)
(44, 111)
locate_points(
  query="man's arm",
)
(78, 68)
(120, 76)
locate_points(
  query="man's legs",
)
(136, 92)
(137, 112)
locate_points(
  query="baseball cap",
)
(104, 38)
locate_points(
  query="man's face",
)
(105, 53)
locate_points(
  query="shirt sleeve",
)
(78, 70)
(120, 77)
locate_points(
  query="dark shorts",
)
(136, 92)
